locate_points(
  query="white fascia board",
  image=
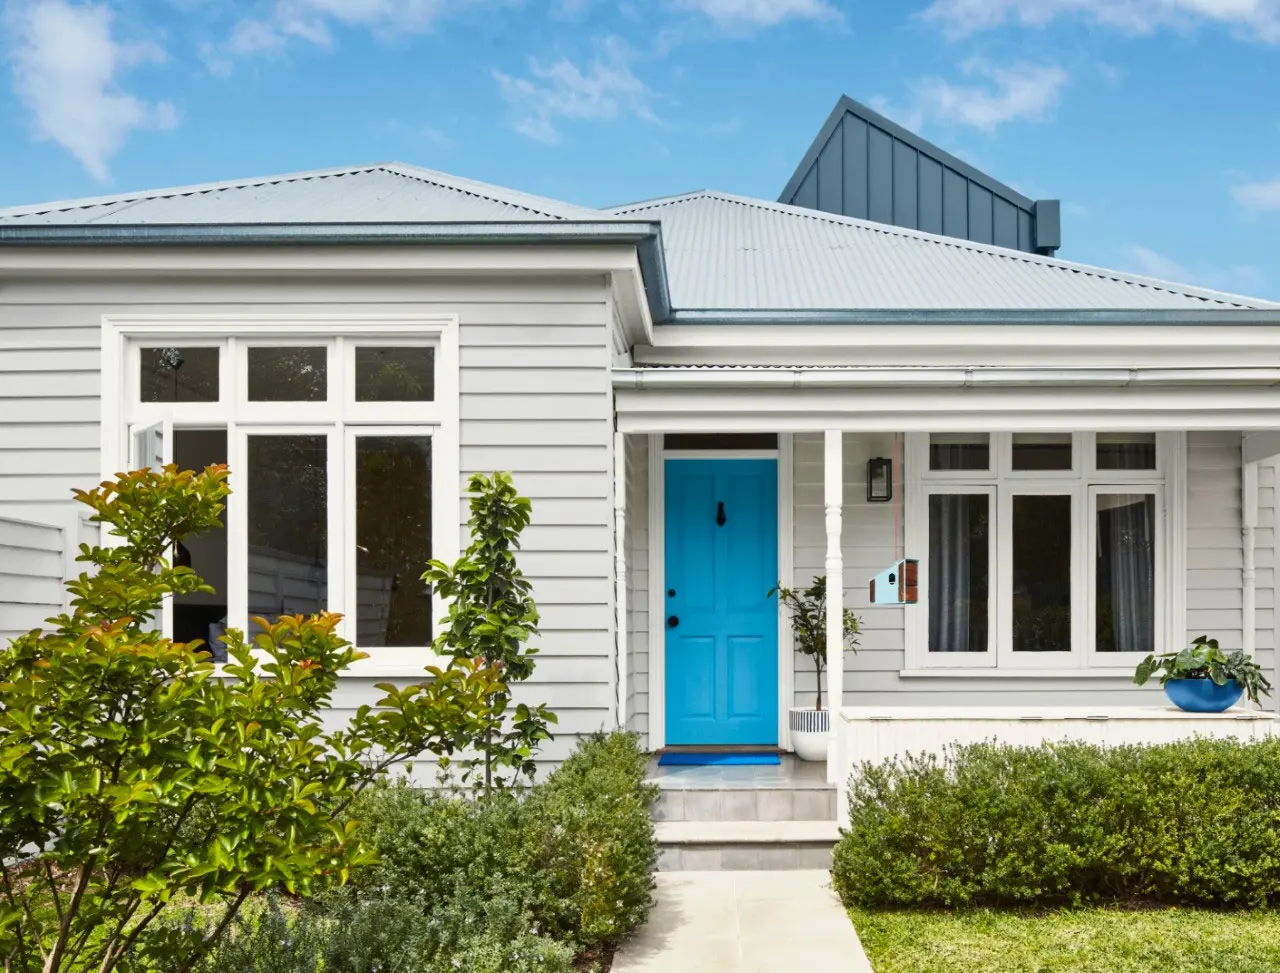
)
(961, 409)
(304, 258)
(627, 290)
(1007, 345)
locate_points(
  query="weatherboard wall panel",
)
(637, 706)
(535, 399)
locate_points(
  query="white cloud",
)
(1258, 195)
(746, 14)
(66, 70)
(1257, 19)
(561, 90)
(1019, 92)
(1153, 264)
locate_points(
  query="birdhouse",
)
(896, 584)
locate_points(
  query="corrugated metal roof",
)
(388, 192)
(736, 253)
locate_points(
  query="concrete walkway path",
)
(744, 922)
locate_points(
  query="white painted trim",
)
(833, 502)
(620, 578)
(1259, 446)
(233, 331)
(1249, 576)
(1124, 675)
(959, 345)
(786, 572)
(1168, 482)
(658, 582)
(657, 596)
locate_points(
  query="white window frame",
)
(962, 660)
(340, 417)
(1126, 660)
(1084, 482)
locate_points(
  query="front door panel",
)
(721, 626)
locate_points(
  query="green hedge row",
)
(1191, 822)
(505, 883)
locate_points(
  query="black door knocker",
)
(720, 514)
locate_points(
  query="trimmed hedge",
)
(1194, 822)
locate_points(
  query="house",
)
(691, 390)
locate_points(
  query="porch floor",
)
(792, 774)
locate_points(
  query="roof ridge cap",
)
(166, 192)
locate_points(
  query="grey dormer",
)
(865, 166)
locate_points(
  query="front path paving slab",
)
(744, 922)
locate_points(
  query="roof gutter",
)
(980, 377)
(1210, 314)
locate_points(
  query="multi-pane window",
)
(344, 474)
(1038, 550)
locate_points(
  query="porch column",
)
(834, 499)
(620, 571)
(1249, 576)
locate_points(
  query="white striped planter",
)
(810, 732)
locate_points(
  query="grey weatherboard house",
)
(690, 389)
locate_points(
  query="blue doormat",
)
(719, 760)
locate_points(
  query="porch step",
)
(751, 804)
(745, 845)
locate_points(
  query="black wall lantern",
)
(879, 480)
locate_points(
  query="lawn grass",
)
(1096, 940)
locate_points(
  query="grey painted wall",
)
(32, 560)
(864, 165)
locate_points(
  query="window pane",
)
(1042, 451)
(288, 374)
(288, 525)
(1042, 574)
(395, 374)
(200, 615)
(1126, 451)
(959, 451)
(179, 375)
(959, 533)
(1125, 572)
(393, 540)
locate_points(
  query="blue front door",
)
(722, 627)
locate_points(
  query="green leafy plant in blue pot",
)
(1203, 679)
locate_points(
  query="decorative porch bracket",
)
(834, 499)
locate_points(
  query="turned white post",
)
(834, 499)
(620, 569)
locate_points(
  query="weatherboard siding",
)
(32, 563)
(638, 585)
(534, 399)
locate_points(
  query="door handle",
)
(673, 621)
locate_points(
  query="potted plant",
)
(1204, 679)
(811, 728)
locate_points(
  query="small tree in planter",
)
(1203, 679)
(808, 608)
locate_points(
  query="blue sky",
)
(1156, 122)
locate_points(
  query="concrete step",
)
(713, 803)
(745, 845)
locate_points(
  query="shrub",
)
(129, 774)
(1196, 821)
(573, 853)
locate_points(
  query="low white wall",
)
(874, 734)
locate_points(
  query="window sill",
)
(1119, 672)
(380, 670)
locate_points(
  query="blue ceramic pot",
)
(1203, 695)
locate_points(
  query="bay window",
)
(1040, 551)
(342, 444)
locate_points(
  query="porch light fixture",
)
(879, 480)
